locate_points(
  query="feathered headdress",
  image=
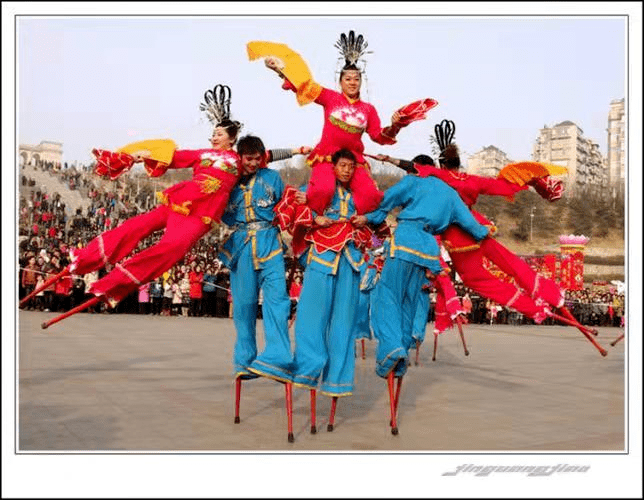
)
(217, 105)
(352, 48)
(444, 133)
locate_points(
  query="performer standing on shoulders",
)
(346, 118)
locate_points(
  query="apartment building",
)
(564, 144)
(487, 162)
(616, 158)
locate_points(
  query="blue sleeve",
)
(397, 195)
(462, 217)
(278, 184)
(228, 217)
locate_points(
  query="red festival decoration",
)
(572, 261)
(566, 269)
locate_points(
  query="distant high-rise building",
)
(487, 162)
(616, 157)
(565, 145)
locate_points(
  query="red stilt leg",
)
(460, 332)
(617, 340)
(238, 383)
(45, 284)
(435, 346)
(567, 314)
(397, 394)
(417, 350)
(583, 330)
(392, 403)
(82, 307)
(363, 356)
(289, 411)
(313, 427)
(334, 402)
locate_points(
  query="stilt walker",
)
(428, 207)
(254, 255)
(535, 296)
(331, 247)
(187, 210)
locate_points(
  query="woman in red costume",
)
(346, 118)
(535, 296)
(187, 210)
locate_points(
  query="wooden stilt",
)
(417, 350)
(567, 314)
(313, 427)
(392, 403)
(334, 402)
(46, 284)
(238, 384)
(459, 323)
(435, 346)
(82, 307)
(289, 411)
(582, 329)
(617, 340)
(363, 354)
(397, 400)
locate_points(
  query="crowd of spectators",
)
(589, 305)
(199, 285)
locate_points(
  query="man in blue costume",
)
(428, 208)
(254, 255)
(324, 328)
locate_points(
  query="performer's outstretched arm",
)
(397, 195)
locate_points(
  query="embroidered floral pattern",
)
(209, 184)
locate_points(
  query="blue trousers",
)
(394, 301)
(363, 325)
(420, 317)
(245, 282)
(324, 330)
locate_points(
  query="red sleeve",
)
(185, 158)
(376, 132)
(497, 187)
(471, 183)
(325, 97)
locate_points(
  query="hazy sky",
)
(105, 81)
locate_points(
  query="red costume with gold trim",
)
(186, 212)
(448, 305)
(469, 257)
(345, 120)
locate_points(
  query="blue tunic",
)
(254, 255)
(324, 328)
(429, 206)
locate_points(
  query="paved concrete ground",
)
(147, 383)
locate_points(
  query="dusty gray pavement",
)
(103, 382)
